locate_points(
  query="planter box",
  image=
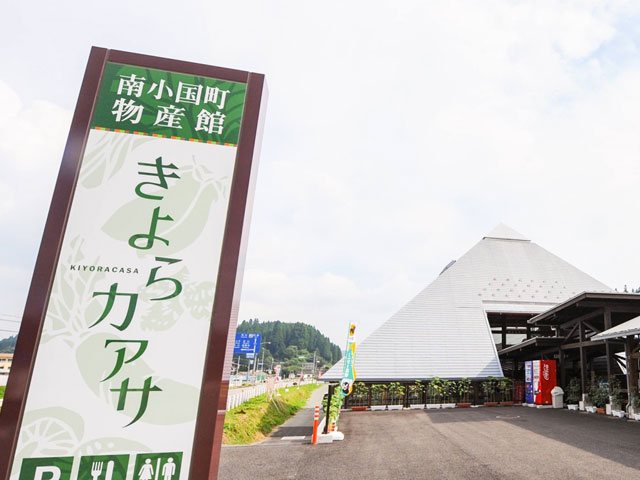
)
(433, 406)
(359, 409)
(506, 404)
(618, 413)
(463, 405)
(416, 406)
(448, 405)
(490, 404)
(636, 416)
(573, 407)
(377, 408)
(590, 409)
(601, 411)
(394, 407)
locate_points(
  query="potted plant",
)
(635, 406)
(599, 395)
(464, 388)
(574, 394)
(395, 396)
(448, 394)
(416, 394)
(615, 397)
(434, 390)
(360, 397)
(504, 387)
(489, 389)
(378, 396)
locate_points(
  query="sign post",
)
(122, 361)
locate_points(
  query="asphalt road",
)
(477, 444)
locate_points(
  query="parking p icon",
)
(46, 468)
(42, 472)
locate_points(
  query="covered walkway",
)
(577, 341)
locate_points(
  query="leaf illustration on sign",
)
(198, 298)
(188, 202)
(95, 362)
(49, 432)
(163, 315)
(71, 302)
(104, 157)
(104, 445)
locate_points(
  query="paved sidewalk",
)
(299, 428)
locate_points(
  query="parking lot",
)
(482, 443)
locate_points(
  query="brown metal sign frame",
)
(215, 383)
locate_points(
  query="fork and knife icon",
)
(96, 470)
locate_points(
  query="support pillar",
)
(504, 334)
(562, 369)
(632, 367)
(583, 361)
(609, 351)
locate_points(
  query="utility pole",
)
(313, 375)
(262, 362)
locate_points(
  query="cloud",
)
(396, 136)
(31, 143)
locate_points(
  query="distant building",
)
(478, 306)
(5, 367)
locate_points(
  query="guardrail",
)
(238, 396)
(235, 399)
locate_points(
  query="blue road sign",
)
(247, 343)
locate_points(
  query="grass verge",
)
(255, 419)
(2, 392)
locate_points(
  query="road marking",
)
(294, 438)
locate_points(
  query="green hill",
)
(293, 344)
(8, 345)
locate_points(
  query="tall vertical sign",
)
(119, 372)
(348, 365)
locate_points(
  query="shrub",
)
(615, 392)
(396, 391)
(504, 386)
(489, 389)
(436, 388)
(416, 390)
(599, 393)
(574, 391)
(464, 387)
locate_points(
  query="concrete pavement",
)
(299, 428)
(459, 444)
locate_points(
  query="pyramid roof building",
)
(444, 331)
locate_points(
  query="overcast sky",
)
(397, 135)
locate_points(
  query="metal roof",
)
(532, 345)
(631, 327)
(444, 330)
(622, 305)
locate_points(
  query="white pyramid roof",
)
(444, 330)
